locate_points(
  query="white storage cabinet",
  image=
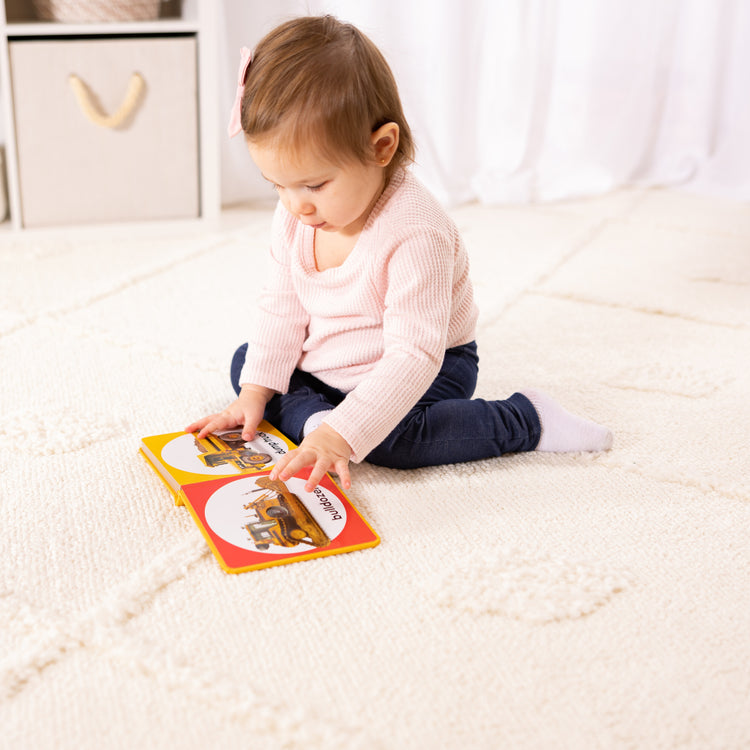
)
(109, 121)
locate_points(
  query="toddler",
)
(362, 346)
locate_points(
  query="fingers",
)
(221, 422)
(316, 475)
(342, 469)
(204, 426)
(293, 462)
(246, 413)
(322, 466)
(217, 422)
(289, 464)
(198, 425)
(325, 450)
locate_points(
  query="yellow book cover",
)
(180, 458)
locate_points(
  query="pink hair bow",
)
(235, 118)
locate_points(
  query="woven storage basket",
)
(92, 11)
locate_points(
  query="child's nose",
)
(301, 206)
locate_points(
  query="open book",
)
(249, 520)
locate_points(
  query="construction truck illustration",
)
(282, 518)
(229, 448)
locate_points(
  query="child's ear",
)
(384, 142)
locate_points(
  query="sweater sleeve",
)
(419, 285)
(278, 327)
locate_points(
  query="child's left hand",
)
(323, 449)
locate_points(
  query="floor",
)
(534, 601)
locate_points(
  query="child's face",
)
(330, 197)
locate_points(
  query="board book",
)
(249, 520)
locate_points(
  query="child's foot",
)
(563, 432)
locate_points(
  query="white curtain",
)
(539, 100)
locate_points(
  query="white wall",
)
(529, 100)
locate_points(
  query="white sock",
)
(563, 432)
(313, 422)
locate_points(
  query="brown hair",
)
(318, 80)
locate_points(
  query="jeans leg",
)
(238, 361)
(448, 426)
(457, 377)
(458, 430)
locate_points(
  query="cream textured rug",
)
(531, 602)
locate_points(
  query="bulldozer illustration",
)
(229, 448)
(282, 518)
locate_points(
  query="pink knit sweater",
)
(377, 326)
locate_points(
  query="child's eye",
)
(315, 188)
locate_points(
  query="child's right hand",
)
(247, 411)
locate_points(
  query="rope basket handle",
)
(91, 111)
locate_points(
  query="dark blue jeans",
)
(445, 426)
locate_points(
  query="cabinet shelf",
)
(14, 30)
